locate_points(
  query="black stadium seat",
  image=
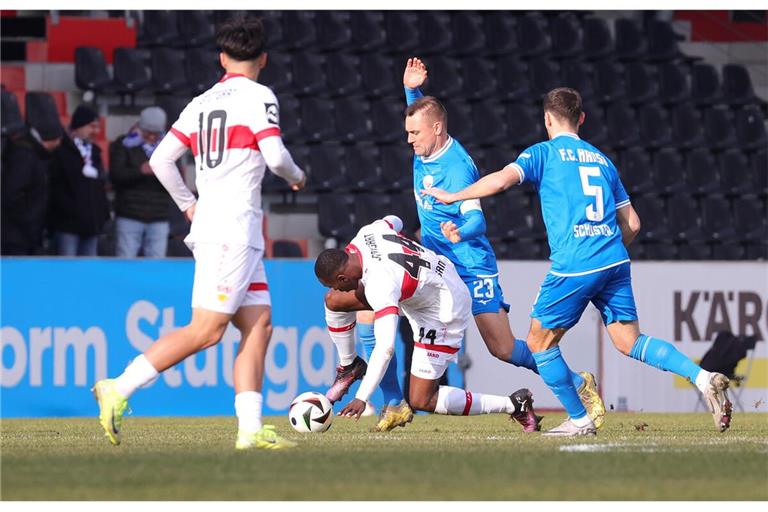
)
(387, 119)
(622, 124)
(566, 34)
(578, 75)
(512, 77)
(168, 75)
(719, 131)
(641, 84)
(469, 38)
(368, 34)
(91, 73)
(277, 75)
(750, 128)
(435, 34)
(202, 69)
(631, 43)
(333, 30)
(335, 217)
(683, 219)
(325, 168)
(662, 41)
(370, 207)
(159, 28)
(379, 77)
(717, 220)
(674, 83)
(362, 166)
(343, 72)
(737, 85)
(687, 130)
(489, 124)
(352, 119)
(444, 80)
(309, 77)
(130, 71)
(595, 128)
(668, 171)
(396, 167)
(705, 84)
(598, 39)
(636, 171)
(543, 75)
(478, 78)
(299, 30)
(655, 128)
(702, 174)
(195, 28)
(402, 31)
(533, 36)
(735, 173)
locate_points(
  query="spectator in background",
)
(26, 159)
(142, 204)
(78, 207)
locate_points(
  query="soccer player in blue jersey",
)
(589, 221)
(458, 230)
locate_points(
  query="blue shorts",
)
(562, 300)
(486, 294)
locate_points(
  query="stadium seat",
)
(636, 171)
(402, 31)
(317, 119)
(10, 116)
(500, 29)
(662, 41)
(379, 77)
(705, 84)
(655, 126)
(631, 43)
(608, 81)
(717, 219)
(40, 109)
(273, 26)
(195, 28)
(543, 75)
(435, 35)
(509, 216)
(362, 165)
(694, 251)
(727, 251)
(277, 75)
(668, 171)
(287, 249)
(651, 210)
(737, 85)
(309, 78)
(493, 159)
(334, 31)
(566, 36)
(538, 229)
(168, 71)
(533, 39)
(658, 251)
(274, 184)
(597, 39)
(524, 125)
(719, 132)
(702, 175)
(299, 30)
(343, 72)
(578, 75)
(478, 78)
(683, 220)
(352, 119)
(91, 72)
(325, 168)
(759, 171)
(290, 118)
(130, 71)
(173, 106)
(512, 79)
(460, 124)
(202, 69)
(749, 215)
(370, 207)
(404, 206)
(641, 83)
(750, 128)
(444, 80)
(469, 38)
(595, 128)
(623, 126)
(736, 176)
(159, 28)
(518, 250)
(756, 251)
(335, 217)
(687, 129)
(673, 83)
(396, 167)
(387, 117)
(368, 34)
(489, 125)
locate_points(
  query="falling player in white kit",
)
(233, 132)
(397, 275)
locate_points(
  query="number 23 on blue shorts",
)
(487, 296)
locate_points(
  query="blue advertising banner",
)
(67, 323)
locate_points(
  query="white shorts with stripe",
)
(229, 276)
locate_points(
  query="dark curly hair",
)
(329, 262)
(242, 37)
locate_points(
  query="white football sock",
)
(702, 380)
(138, 373)
(458, 402)
(341, 327)
(248, 411)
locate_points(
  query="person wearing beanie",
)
(142, 205)
(26, 161)
(78, 206)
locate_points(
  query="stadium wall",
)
(682, 302)
(68, 322)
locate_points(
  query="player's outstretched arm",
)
(629, 223)
(488, 185)
(414, 76)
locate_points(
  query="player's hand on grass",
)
(299, 185)
(415, 73)
(441, 195)
(450, 231)
(353, 409)
(190, 212)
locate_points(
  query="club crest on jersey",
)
(273, 115)
(428, 181)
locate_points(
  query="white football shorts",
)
(229, 276)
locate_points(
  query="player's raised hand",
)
(450, 231)
(415, 73)
(441, 195)
(353, 409)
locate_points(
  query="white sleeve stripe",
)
(469, 205)
(622, 204)
(520, 171)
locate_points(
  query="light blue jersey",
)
(580, 191)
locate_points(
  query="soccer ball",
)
(310, 412)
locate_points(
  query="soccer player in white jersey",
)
(397, 275)
(233, 132)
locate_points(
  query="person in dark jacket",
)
(142, 205)
(25, 188)
(79, 206)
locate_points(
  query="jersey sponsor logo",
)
(433, 354)
(273, 115)
(590, 230)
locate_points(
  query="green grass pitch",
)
(636, 456)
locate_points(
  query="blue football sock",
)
(389, 385)
(556, 374)
(664, 356)
(523, 357)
